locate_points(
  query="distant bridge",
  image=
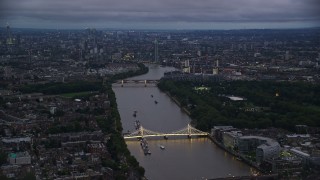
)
(187, 131)
(149, 62)
(138, 81)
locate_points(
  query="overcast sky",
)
(160, 14)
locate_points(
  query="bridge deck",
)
(164, 135)
(187, 131)
(138, 81)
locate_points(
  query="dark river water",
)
(183, 158)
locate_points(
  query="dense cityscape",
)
(59, 117)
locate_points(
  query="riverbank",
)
(142, 70)
(178, 103)
(243, 159)
(237, 155)
(125, 165)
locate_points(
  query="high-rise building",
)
(9, 35)
(156, 51)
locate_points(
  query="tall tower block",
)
(156, 51)
(9, 35)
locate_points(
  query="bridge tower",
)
(145, 83)
(189, 131)
(122, 83)
(141, 131)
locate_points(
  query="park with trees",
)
(270, 104)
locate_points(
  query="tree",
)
(29, 176)
(3, 158)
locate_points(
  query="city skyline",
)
(204, 104)
(160, 14)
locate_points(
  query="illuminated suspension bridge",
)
(187, 131)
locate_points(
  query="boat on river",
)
(144, 146)
(162, 147)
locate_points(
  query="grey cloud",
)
(71, 11)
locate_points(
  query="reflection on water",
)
(186, 159)
(182, 158)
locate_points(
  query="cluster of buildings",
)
(53, 136)
(36, 128)
(58, 136)
(286, 55)
(112, 69)
(264, 148)
(271, 150)
(63, 71)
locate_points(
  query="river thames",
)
(183, 158)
